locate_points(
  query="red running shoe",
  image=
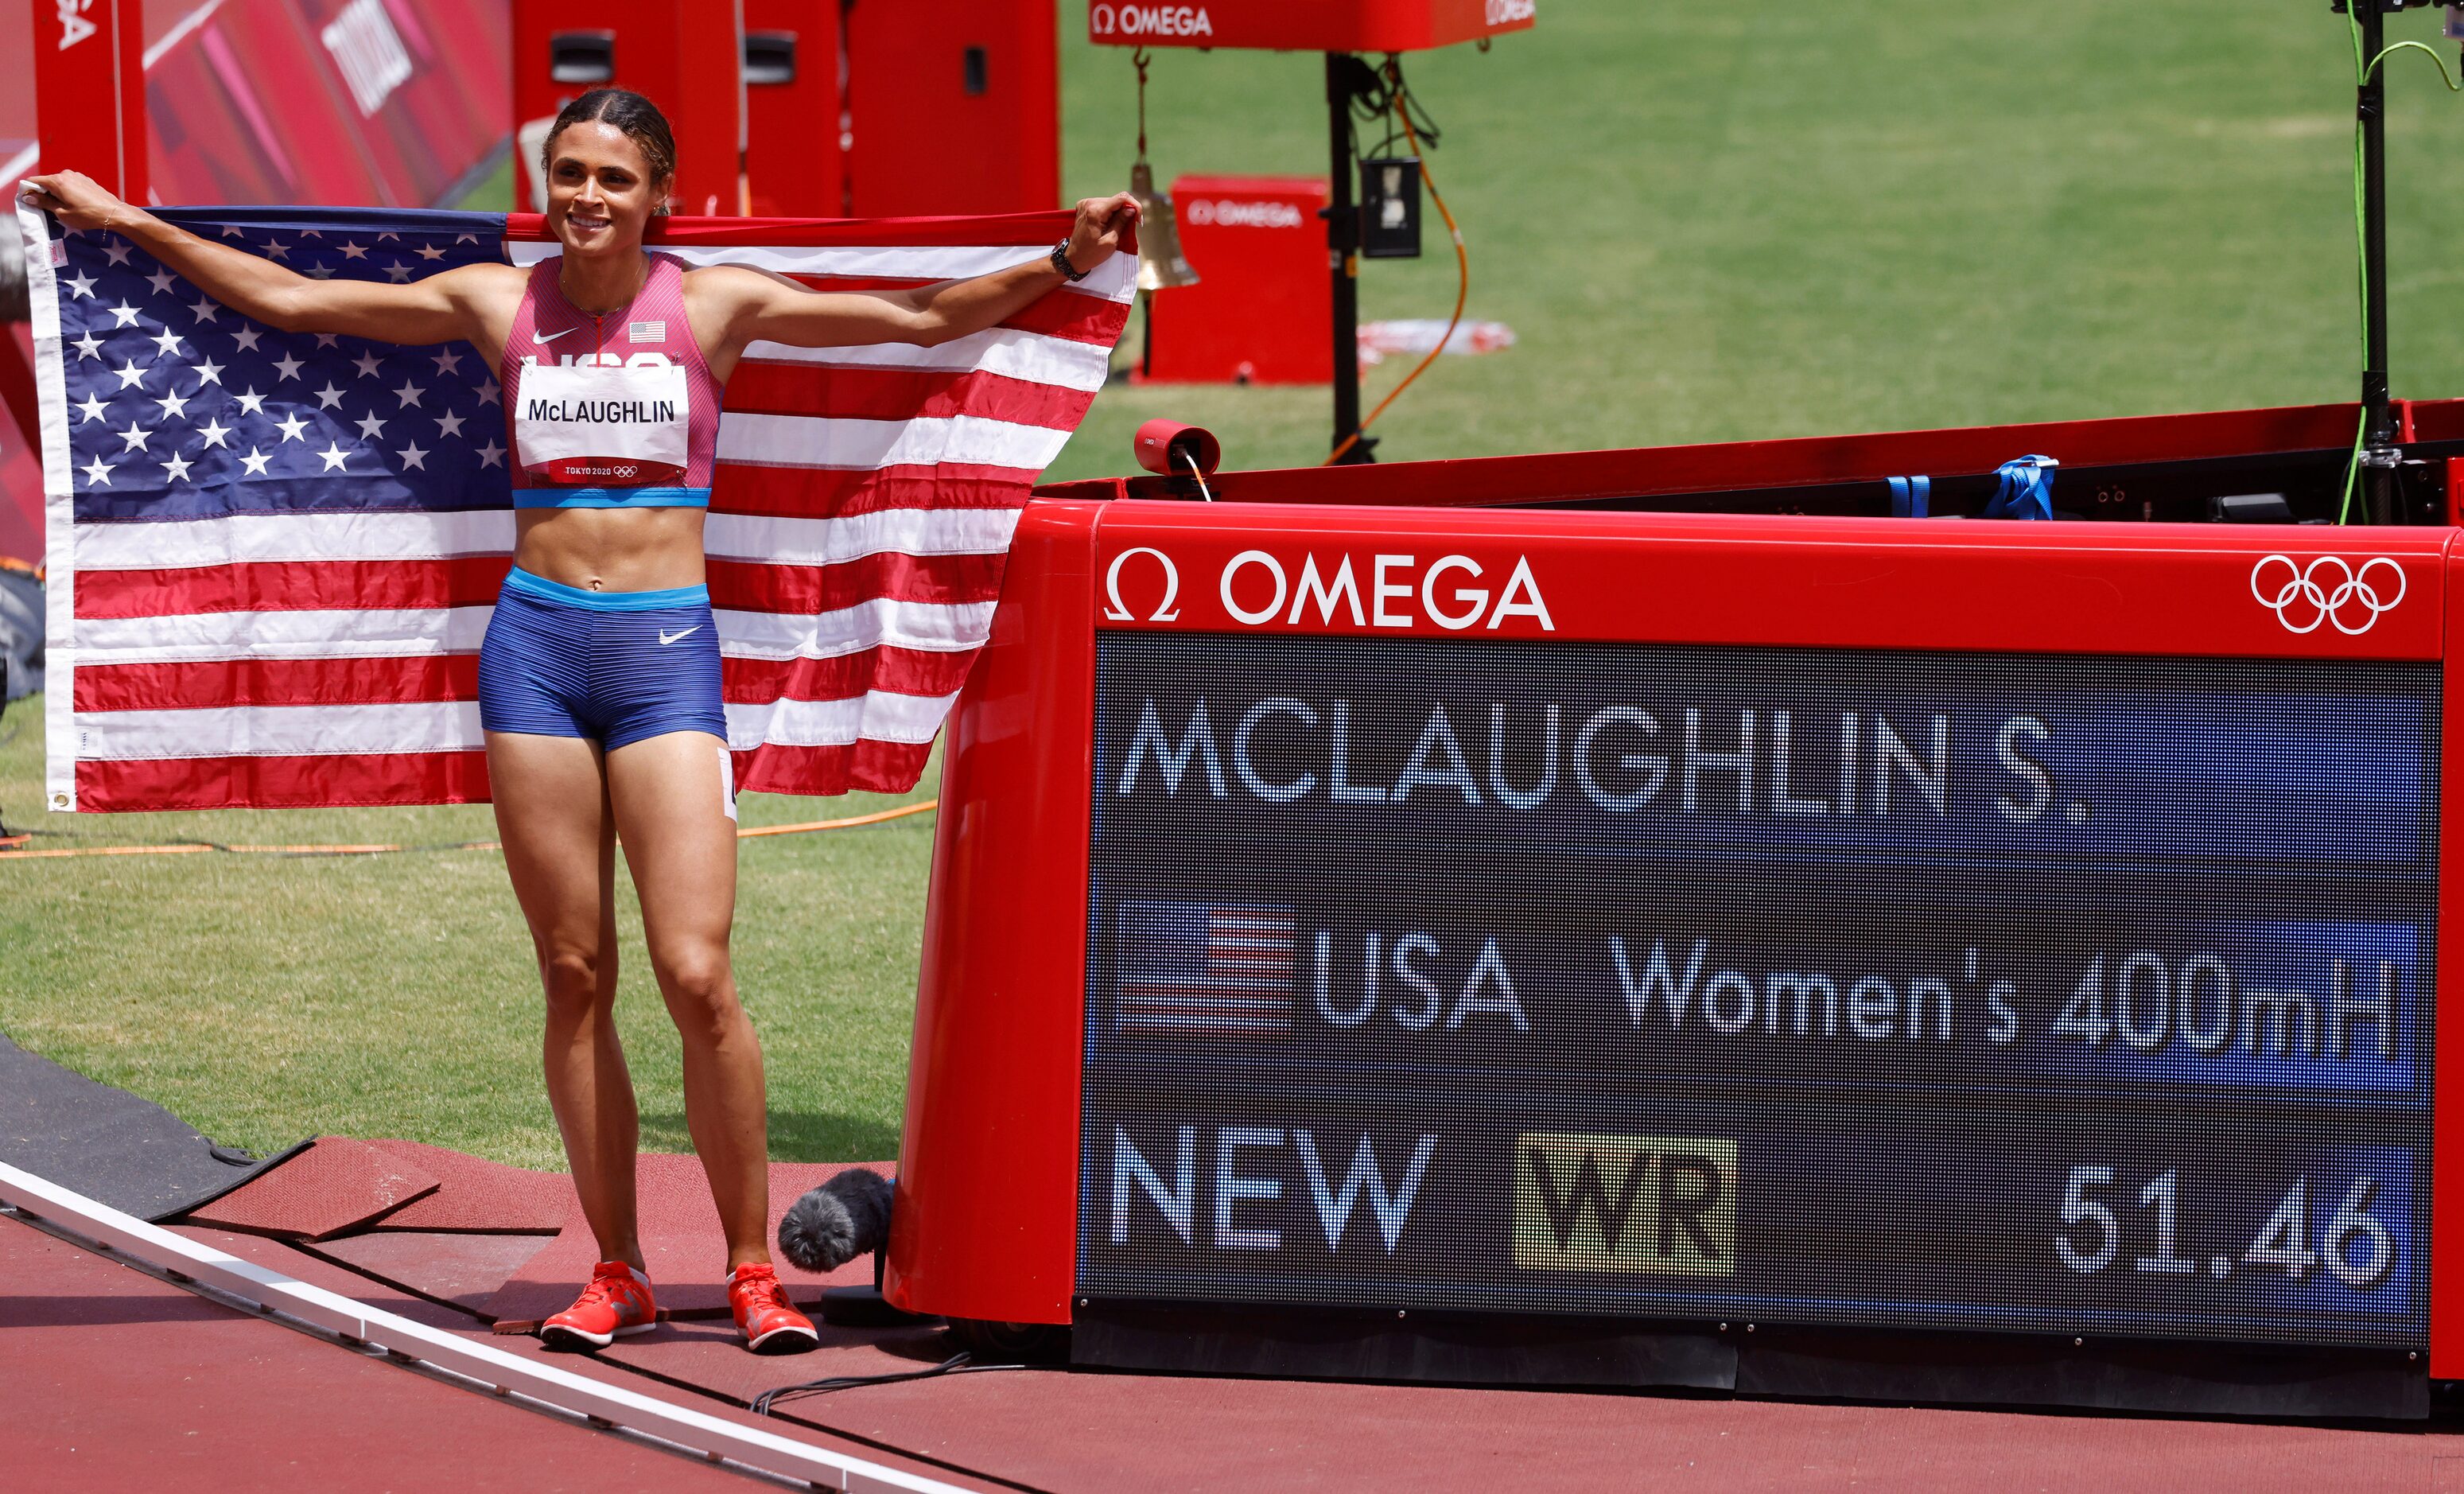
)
(762, 1315)
(617, 1301)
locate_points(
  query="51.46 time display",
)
(2353, 1246)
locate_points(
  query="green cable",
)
(2452, 86)
(2361, 71)
(2361, 254)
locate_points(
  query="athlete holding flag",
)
(598, 677)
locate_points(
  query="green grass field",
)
(265, 999)
(1704, 223)
(1718, 223)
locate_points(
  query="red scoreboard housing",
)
(2209, 678)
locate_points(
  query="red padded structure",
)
(478, 1195)
(334, 1186)
(463, 1270)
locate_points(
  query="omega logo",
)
(1255, 587)
(1207, 211)
(1258, 589)
(1164, 611)
(1157, 20)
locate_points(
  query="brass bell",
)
(1160, 262)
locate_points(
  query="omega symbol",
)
(1164, 611)
(2329, 589)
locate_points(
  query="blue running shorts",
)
(614, 666)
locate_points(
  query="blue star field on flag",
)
(180, 407)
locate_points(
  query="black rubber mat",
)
(108, 1144)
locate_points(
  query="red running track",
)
(114, 1380)
(149, 1385)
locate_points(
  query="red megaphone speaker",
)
(1169, 449)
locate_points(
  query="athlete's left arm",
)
(755, 305)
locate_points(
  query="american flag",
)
(1204, 969)
(272, 557)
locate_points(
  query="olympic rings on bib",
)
(2302, 595)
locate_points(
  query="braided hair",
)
(629, 115)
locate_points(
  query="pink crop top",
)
(612, 411)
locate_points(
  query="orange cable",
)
(1463, 287)
(195, 847)
(108, 850)
(899, 813)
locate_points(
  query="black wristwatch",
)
(1060, 262)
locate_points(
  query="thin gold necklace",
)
(630, 296)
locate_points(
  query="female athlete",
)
(598, 677)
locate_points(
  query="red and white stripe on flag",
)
(323, 649)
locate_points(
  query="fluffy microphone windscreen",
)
(833, 1224)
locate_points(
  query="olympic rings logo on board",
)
(2329, 589)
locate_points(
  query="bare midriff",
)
(652, 549)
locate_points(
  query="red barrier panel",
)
(957, 107)
(17, 122)
(86, 60)
(685, 58)
(794, 157)
(1258, 311)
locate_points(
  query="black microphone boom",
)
(833, 1224)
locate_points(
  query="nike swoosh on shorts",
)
(665, 638)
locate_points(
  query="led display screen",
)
(2015, 993)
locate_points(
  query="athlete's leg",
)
(668, 793)
(551, 795)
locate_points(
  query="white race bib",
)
(592, 426)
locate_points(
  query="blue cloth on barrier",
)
(2025, 491)
(1910, 496)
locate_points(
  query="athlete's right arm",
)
(441, 308)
